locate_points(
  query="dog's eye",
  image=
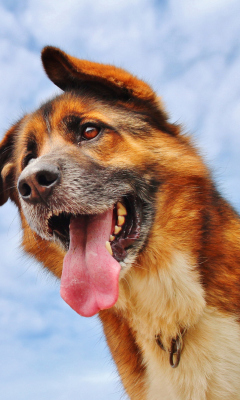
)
(90, 132)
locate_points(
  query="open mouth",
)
(95, 246)
(125, 229)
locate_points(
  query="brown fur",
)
(186, 274)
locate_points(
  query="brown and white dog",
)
(116, 202)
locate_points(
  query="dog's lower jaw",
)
(126, 264)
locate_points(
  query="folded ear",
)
(7, 166)
(68, 72)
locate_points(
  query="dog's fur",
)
(180, 275)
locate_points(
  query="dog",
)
(116, 202)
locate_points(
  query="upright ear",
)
(69, 72)
(7, 165)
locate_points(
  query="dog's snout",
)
(36, 182)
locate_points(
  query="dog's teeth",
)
(56, 212)
(109, 249)
(121, 210)
(121, 220)
(117, 229)
(111, 238)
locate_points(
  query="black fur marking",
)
(72, 123)
(31, 142)
(31, 149)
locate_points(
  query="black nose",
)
(37, 181)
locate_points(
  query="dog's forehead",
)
(56, 110)
(49, 117)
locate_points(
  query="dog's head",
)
(86, 171)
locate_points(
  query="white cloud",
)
(192, 11)
(203, 7)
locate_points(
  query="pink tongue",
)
(90, 274)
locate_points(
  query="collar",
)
(175, 349)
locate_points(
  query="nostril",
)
(47, 178)
(25, 190)
(44, 180)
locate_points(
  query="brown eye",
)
(90, 132)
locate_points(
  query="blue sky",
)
(189, 51)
